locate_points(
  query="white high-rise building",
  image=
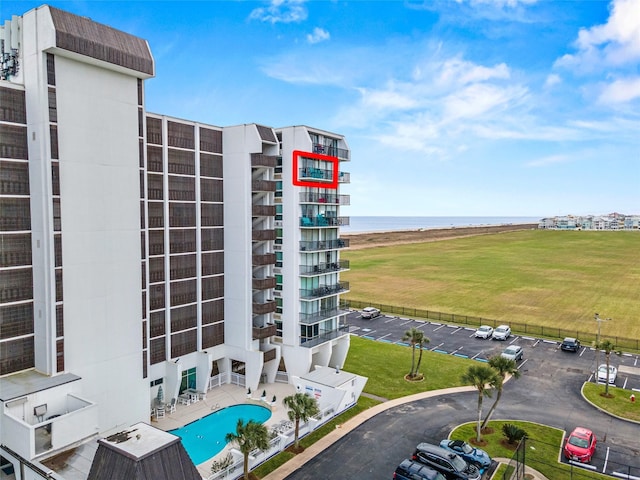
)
(140, 251)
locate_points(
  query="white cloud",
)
(621, 91)
(462, 72)
(552, 79)
(615, 43)
(281, 11)
(318, 35)
(549, 160)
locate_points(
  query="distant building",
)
(141, 251)
(614, 221)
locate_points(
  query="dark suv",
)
(410, 470)
(570, 344)
(448, 463)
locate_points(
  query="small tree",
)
(416, 339)
(249, 436)
(608, 348)
(513, 433)
(503, 366)
(483, 378)
(300, 407)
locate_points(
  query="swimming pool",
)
(204, 438)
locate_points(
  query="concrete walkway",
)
(341, 430)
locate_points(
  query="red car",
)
(580, 445)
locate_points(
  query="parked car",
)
(570, 344)
(485, 331)
(451, 465)
(472, 455)
(513, 352)
(502, 332)
(580, 445)
(410, 470)
(602, 373)
(370, 312)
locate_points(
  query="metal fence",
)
(556, 470)
(585, 337)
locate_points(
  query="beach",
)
(397, 237)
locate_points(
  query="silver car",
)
(501, 332)
(513, 352)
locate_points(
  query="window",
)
(188, 379)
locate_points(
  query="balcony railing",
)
(263, 186)
(310, 270)
(322, 221)
(262, 160)
(344, 177)
(311, 197)
(263, 308)
(314, 246)
(263, 283)
(263, 210)
(264, 259)
(260, 333)
(324, 290)
(317, 317)
(263, 235)
(269, 354)
(315, 174)
(324, 336)
(341, 153)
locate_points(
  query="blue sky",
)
(450, 107)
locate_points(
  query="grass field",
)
(539, 277)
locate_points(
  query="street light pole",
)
(599, 320)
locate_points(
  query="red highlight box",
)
(333, 183)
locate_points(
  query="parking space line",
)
(535, 344)
(434, 348)
(522, 364)
(455, 331)
(391, 319)
(435, 330)
(582, 352)
(408, 321)
(384, 336)
(624, 385)
(606, 459)
(456, 350)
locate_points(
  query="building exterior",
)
(613, 221)
(142, 252)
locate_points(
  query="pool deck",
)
(225, 396)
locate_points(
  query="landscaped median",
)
(620, 402)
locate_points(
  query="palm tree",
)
(248, 437)
(503, 366)
(608, 348)
(416, 338)
(300, 407)
(483, 378)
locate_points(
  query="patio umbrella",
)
(160, 397)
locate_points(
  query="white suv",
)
(501, 332)
(370, 312)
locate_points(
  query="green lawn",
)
(618, 403)
(539, 277)
(542, 448)
(385, 365)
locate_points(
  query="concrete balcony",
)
(264, 259)
(263, 186)
(263, 283)
(263, 210)
(263, 308)
(262, 160)
(260, 333)
(263, 235)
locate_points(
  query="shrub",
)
(222, 464)
(513, 433)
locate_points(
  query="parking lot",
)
(548, 392)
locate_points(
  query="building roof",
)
(84, 36)
(331, 377)
(26, 383)
(142, 452)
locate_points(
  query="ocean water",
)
(386, 224)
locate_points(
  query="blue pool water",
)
(204, 438)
